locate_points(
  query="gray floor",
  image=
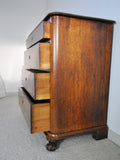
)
(16, 143)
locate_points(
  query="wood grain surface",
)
(100, 131)
(37, 57)
(41, 32)
(37, 84)
(40, 118)
(80, 70)
(36, 115)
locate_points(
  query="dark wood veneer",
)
(36, 83)
(37, 115)
(75, 61)
(80, 67)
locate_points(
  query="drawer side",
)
(37, 84)
(25, 106)
(40, 118)
(41, 32)
(37, 115)
(37, 57)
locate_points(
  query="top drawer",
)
(41, 32)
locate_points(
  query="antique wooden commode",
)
(66, 77)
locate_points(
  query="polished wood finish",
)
(49, 15)
(68, 58)
(41, 32)
(36, 115)
(80, 67)
(37, 57)
(95, 131)
(37, 84)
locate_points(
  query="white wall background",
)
(103, 8)
(18, 18)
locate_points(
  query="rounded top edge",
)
(77, 16)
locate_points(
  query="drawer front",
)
(37, 116)
(25, 107)
(37, 84)
(38, 56)
(41, 32)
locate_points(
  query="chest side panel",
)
(80, 67)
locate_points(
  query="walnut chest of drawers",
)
(65, 80)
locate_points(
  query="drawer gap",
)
(45, 40)
(39, 70)
(35, 101)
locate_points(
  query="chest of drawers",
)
(66, 77)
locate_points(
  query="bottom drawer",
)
(37, 114)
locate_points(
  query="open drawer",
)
(37, 84)
(40, 33)
(37, 57)
(36, 113)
